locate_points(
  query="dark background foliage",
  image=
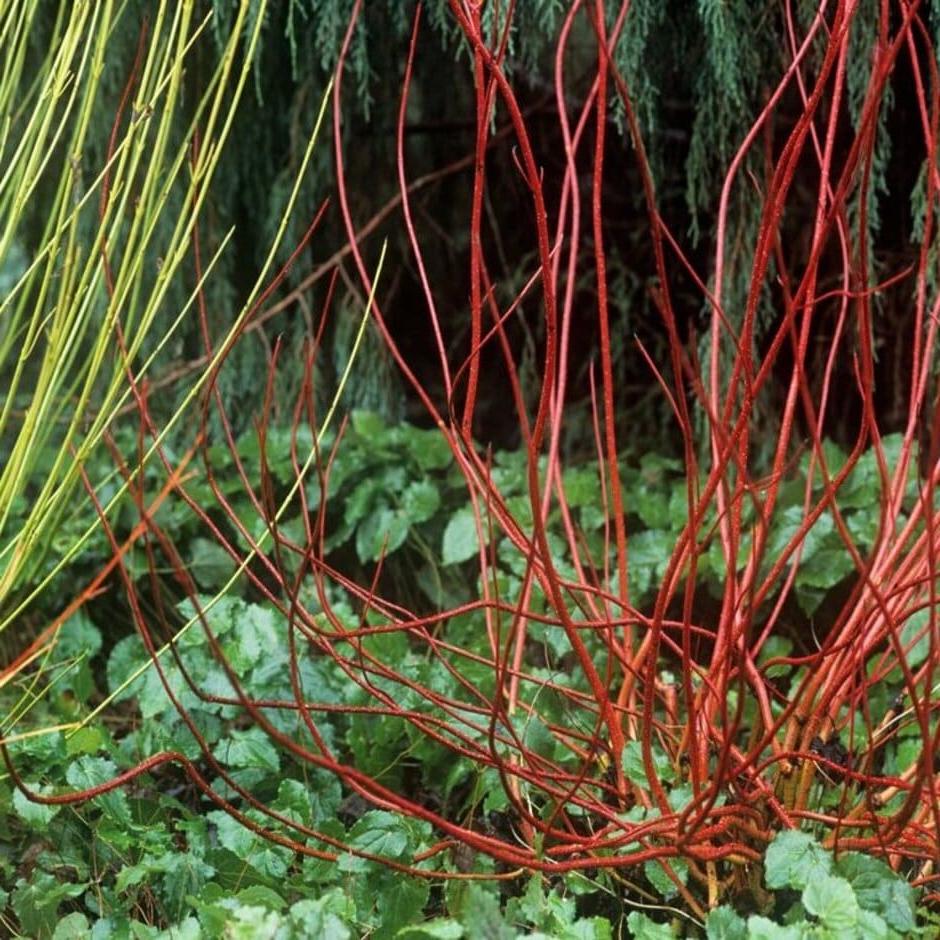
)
(698, 73)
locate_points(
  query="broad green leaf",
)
(724, 923)
(264, 856)
(761, 928)
(833, 901)
(481, 915)
(429, 449)
(460, 538)
(793, 859)
(326, 917)
(635, 769)
(657, 877)
(588, 928)
(917, 623)
(896, 904)
(879, 888)
(835, 459)
(775, 647)
(209, 563)
(645, 928)
(380, 833)
(250, 923)
(862, 486)
(368, 424)
(825, 568)
(784, 528)
(261, 896)
(78, 636)
(582, 486)
(126, 656)
(73, 926)
(873, 927)
(648, 556)
(863, 525)
(250, 748)
(680, 797)
(35, 815)
(362, 499)
(382, 532)
(536, 736)
(399, 902)
(441, 928)
(87, 772)
(36, 902)
(87, 740)
(420, 500)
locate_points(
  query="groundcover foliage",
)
(154, 859)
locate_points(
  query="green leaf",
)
(359, 503)
(536, 736)
(793, 859)
(209, 563)
(582, 487)
(382, 532)
(680, 797)
(35, 815)
(481, 915)
(261, 896)
(862, 486)
(257, 638)
(873, 927)
(420, 500)
(293, 799)
(658, 482)
(326, 917)
(460, 538)
(127, 655)
(588, 928)
(825, 568)
(635, 769)
(645, 928)
(87, 740)
(549, 912)
(37, 901)
(87, 772)
(251, 748)
(918, 622)
(441, 928)
(78, 637)
(250, 922)
(657, 877)
(380, 833)
(785, 526)
(648, 557)
(760, 928)
(264, 856)
(73, 926)
(724, 923)
(879, 889)
(368, 425)
(833, 901)
(401, 902)
(179, 874)
(897, 905)
(776, 647)
(429, 448)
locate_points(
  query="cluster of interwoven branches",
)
(747, 779)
